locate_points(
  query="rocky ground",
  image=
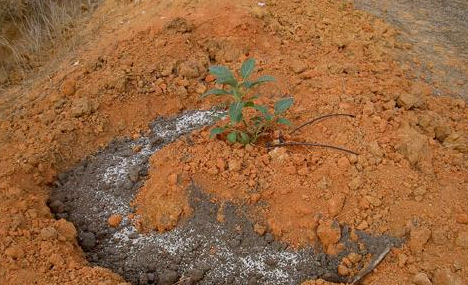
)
(145, 59)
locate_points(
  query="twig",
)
(313, 144)
(319, 119)
(372, 265)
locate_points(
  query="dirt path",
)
(437, 32)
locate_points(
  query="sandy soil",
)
(149, 58)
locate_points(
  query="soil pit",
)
(200, 249)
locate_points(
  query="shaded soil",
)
(436, 33)
(201, 249)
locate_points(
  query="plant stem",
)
(314, 145)
(318, 119)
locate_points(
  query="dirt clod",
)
(421, 279)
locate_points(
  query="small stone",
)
(303, 171)
(420, 191)
(254, 198)
(168, 277)
(172, 179)
(442, 131)
(443, 276)
(234, 165)
(355, 183)
(418, 238)
(68, 87)
(343, 270)
(66, 229)
(279, 154)
(114, 220)
(196, 274)
(249, 148)
(328, 232)
(375, 149)
(421, 279)
(213, 170)
(363, 225)
(462, 240)
(56, 260)
(462, 219)
(88, 240)
(14, 251)
(343, 163)
(354, 257)
(439, 236)
(134, 173)
(407, 101)
(82, 106)
(335, 204)
(374, 201)
(402, 259)
(298, 66)
(259, 229)
(58, 207)
(48, 233)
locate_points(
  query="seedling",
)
(240, 129)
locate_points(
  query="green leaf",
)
(244, 138)
(216, 131)
(235, 112)
(264, 111)
(223, 75)
(247, 68)
(262, 79)
(220, 71)
(215, 91)
(232, 136)
(284, 121)
(282, 105)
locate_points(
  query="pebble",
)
(88, 240)
(172, 179)
(343, 270)
(407, 101)
(462, 240)
(114, 220)
(443, 276)
(196, 274)
(66, 229)
(58, 207)
(14, 251)
(374, 201)
(335, 204)
(234, 165)
(329, 233)
(439, 236)
(343, 163)
(418, 238)
(298, 66)
(168, 277)
(48, 233)
(363, 225)
(68, 87)
(354, 257)
(421, 279)
(462, 219)
(134, 173)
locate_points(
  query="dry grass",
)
(28, 27)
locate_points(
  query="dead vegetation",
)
(32, 30)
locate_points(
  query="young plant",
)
(239, 129)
